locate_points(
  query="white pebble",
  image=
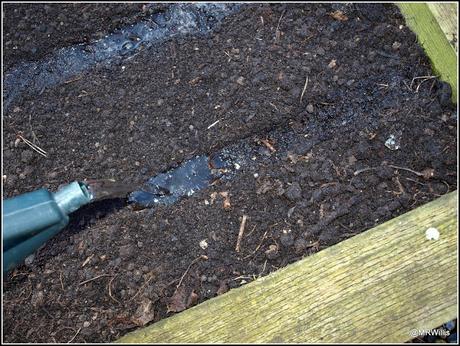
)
(432, 234)
(391, 143)
(256, 175)
(204, 244)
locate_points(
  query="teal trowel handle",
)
(29, 220)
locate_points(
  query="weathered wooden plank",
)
(374, 287)
(432, 38)
(447, 17)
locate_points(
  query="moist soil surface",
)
(342, 136)
(33, 30)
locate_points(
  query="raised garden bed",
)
(342, 125)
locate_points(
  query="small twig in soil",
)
(258, 246)
(426, 173)
(244, 277)
(252, 230)
(314, 245)
(60, 279)
(73, 338)
(382, 85)
(229, 57)
(407, 86)
(401, 188)
(87, 260)
(328, 184)
(213, 124)
(420, 77)
(17, 273)
(419, 84)
(448, 186)
(277, 32)
(304, 88)
(436, 194)
(73, 80)
(263, 269)
(347, 228)
(142, 287)
(415, 199)
(95, 278)
(85, 93)
(359, 171)
(269, 145)
(110, 290)
(274, 240)
(240, 233)
(306, 39)
(188, 268)
(274, 106)
(416, 181)
(33, 146)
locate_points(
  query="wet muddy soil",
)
(31, 30)
(320, 107)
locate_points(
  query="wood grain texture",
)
(374, 287)
(432, 38)
(447, 17)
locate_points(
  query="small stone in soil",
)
(392, 143)
(272, 252)
(204, 244)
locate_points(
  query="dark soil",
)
(32, 31)
(152, 112)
